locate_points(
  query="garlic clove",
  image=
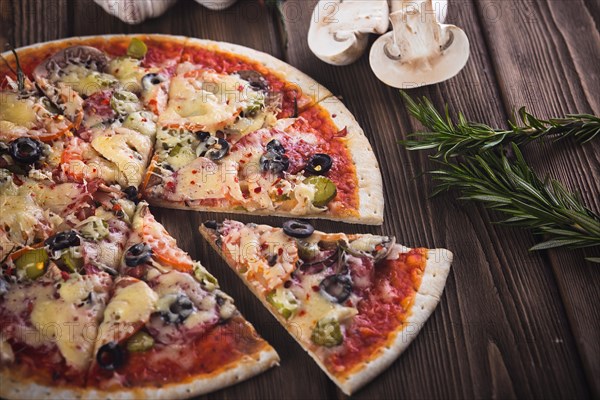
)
(418, 51)
(339, 29)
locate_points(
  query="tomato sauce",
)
(212, 352)
(384, 309)
(343, 171)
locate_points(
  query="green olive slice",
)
(33, 262)
(137, 49)
(325, 189)
(140, 342)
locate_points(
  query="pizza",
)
(353, 302)
(191, 124)
(97, 300)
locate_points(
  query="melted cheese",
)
(128, 150)
(203, 98)
(131, 304)
(205, 179)
(67, 321)
(17, 111)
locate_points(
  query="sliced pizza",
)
(353, 302)
(168, 330)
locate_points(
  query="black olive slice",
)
(256, 80)
(181, 308)
(298, 229)
(273, 162)
(137, 254)
(25, 150)
(218, 150)
(151, 80)
(338, 287)
(63, 240)
(212, 224)
(203, 136)
(131, 192)
(275, 146)
(110, 356)
(319, 164)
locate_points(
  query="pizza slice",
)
(168, 330)
(353, 302)
(47, 327)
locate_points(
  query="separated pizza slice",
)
(289, 169)
(353, 302)
(168, 330)
(49, 319)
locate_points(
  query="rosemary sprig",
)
(454, 138)
(474, 158)
(513, 188)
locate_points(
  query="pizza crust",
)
(14, 387)
(428, 296)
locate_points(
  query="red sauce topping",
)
(207, 354)
(383, 309)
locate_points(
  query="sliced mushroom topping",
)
(86, 56)
(419, 50)
(339, 29)
(256, 80)
(373, 246)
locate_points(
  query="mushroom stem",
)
(419, 50)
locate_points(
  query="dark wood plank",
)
(30, 22)
(546, 59)
(245, 23)
(490, 329)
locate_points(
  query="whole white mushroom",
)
(339, 29)
(419, 50)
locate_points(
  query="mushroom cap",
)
(339, 29)
(412, 74)
(440, 7)
(216, 4)
(91, 57)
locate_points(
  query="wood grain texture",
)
(546, 57)
(511, 323)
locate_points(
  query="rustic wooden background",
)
(511, 323)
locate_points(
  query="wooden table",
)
(511, 323)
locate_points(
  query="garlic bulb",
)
(135, 11)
